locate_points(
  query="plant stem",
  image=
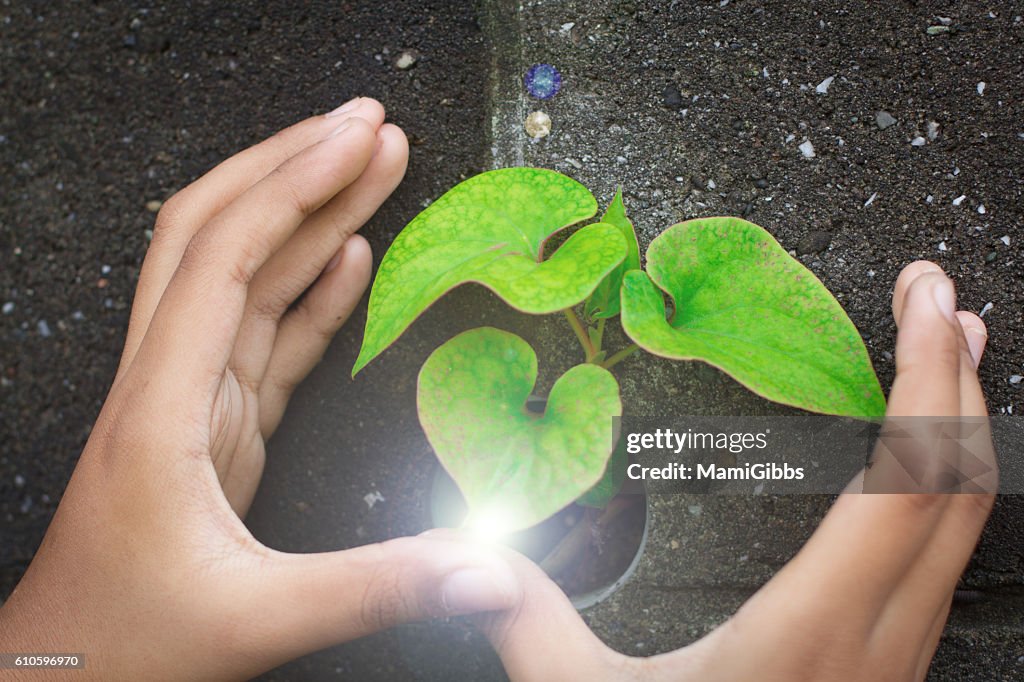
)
(581, 333)
(620, 356)
(600, 335)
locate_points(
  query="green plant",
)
(739, 302)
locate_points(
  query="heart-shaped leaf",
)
(604, 302)
(745, 306)
(491, 229)
(515, 468)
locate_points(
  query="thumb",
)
(543, 637)
(312, 601)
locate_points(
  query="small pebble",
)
(674, 544)
(917, 141)
(154, 205)
(937, 30)
(981, 87)
(883, 119)
(991, 257)
(538, 125)
(406, 60)
(807, 149)
(44, 329)
(19, 481)
(26, 505)
(981, 209)
(814, 242)
(942, 246)
(8, 308)
(871, 199)
(824, 85)
(1016, 379)
(671, 97)
(695, 509)
(1004, 239)
(542, 81)
(373, 498)
(986, 308)
(933, 130)
(959, 200)
(104, 269)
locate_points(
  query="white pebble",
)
(807, 149)
(44, 329)
(959, 200)
(712, 185)
(1005, 239)
(929, 199)
(824, 85)
(8, 308)
(538, 125)
(19, 481)
(981, 209)
(373, 498)
(406, 60)
(917, 141)
(871, 199)
(986, 308)
(933, 130)
(104, 269)
(942, 246)
(981, 87)
(1016, 379)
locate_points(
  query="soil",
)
(105, 108)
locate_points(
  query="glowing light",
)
(490, 525)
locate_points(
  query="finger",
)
(975, 333)
(308, 602)
(306, 331)
(188, 210)
(903, 282)
(291, 270)
(206, 296)
(872, 540)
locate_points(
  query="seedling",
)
(738, 302)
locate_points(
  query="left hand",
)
(147, 568)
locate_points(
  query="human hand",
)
(865, 599)
(147, 568)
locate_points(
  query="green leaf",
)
(604, 302)
(745, 306)
(611, 482)
(491, 229)
(514, 468)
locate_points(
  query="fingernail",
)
(340, 129)
(945, 298)
(470, 590)
(333, 263)
(348, 106)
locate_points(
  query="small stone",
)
(154, 205)
(538, 125)
(981, 87)
(814, 242)
(807, 149)
(674, 544)
(986, 309)
(1005, 239)
(824, 85)
(44, 329)
(761, 183)
(942, 246)
(26, 505)
(917, 141)
(937, 30)
(406, 60)
(991, 256)
(959, 200)
(883, 119)
(933, 130)
(542, 81)
(1016, 379)
(373, 498)
(981, 209)
(8, 308)
(671, 97)
(712, 185)
(871, 199)
(19, 481)
(695, 509)
(698, 181)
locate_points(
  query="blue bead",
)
(543, 81)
